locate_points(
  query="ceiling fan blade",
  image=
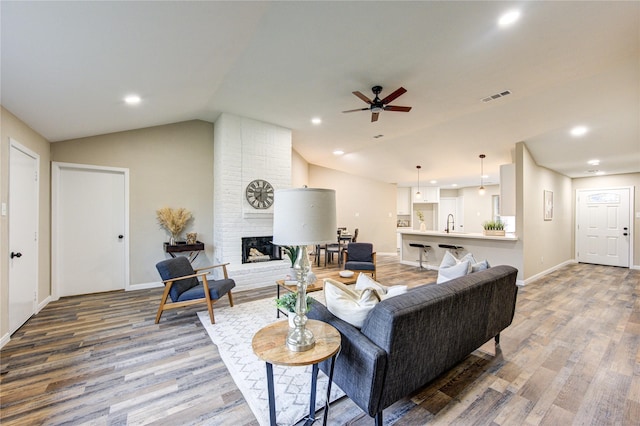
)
(359, 109)
(363, 97)
(397, 108)
(374, 116)
(394, 95)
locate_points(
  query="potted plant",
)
(287, 303)
(423, 227)
(174, 221)
(291, 252)
(493, 228)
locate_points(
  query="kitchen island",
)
(498, 250)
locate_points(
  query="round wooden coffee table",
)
(269, 344)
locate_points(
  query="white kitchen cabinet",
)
(404, 201)
(430, 194)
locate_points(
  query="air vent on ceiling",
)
(496, 96)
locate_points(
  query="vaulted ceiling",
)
(66, 67)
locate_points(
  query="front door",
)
(23, 234)
(603, 226)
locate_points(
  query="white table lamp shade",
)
(304, 216)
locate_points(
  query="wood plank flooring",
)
(571, 356)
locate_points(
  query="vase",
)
(172, 241)
(423, 227)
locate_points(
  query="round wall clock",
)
(259, 194)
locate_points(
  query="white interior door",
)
(603, 231)
(90, 227)
(23, 234)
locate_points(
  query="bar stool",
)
(452, 247)
(423, 249)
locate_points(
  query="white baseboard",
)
(42, 304)
(4, 340)
(144, 286)
(548, 271)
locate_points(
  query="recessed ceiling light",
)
(485, 176)
(593, 162)
(600, 173)
(433, 181)
(454, 184)
(509, 18)
(338, 152)
(579, 131)
(316, 120)
(132, 99)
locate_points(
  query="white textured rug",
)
(232, 334)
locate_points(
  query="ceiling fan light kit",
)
(377, 105)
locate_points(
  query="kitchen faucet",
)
(453, 223)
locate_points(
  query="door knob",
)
(13, 254)
(625, 234)
(120, 236)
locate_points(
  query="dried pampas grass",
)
(173, 220)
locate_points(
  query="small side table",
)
(269, 345)
(193, 249)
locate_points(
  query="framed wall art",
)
(548, 205)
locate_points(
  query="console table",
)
(193, 249)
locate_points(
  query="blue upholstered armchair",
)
(360, 257)
(183, 287)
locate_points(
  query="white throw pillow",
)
(349, 305)
(451, 272)
(365, 281)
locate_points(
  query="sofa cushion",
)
(349, 305)
(365, 281)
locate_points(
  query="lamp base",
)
(300, 340)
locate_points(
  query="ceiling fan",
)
(376, 105)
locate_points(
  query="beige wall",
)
(614, 181)
(12, 127)
(299, 170)
(546, 244)
(477, 208)
(170, 166)
(362, 203)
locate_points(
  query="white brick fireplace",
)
(245, 150)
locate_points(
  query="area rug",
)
(232, 334)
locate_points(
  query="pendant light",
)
(418, 194)
(481, 190)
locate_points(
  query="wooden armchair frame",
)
(164, 306)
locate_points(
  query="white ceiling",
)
(66, 67)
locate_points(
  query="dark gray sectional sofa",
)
(408, 340)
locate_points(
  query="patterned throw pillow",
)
(365, 281)
(349, 305)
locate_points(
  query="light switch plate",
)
(4, 209)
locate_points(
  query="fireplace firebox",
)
(259, 249)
